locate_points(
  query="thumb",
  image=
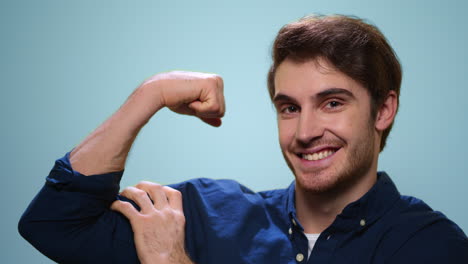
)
(209, 108)
(212, 118)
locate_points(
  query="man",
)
(335, 84)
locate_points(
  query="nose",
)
(309, 128)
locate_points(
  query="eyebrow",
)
(328, 92)
(335, 91)
(283, 98)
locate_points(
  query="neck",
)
(317, 211)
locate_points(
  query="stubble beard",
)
(341, 176)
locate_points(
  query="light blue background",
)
(66, 66)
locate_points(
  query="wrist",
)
(142, 104)
(150, 93)
(168, 259)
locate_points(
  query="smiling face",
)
(326, 131)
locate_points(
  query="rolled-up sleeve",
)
(69, 220)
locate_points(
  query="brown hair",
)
(354, 47)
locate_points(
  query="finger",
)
(140, 197)
(174, 197)
(156, 193)
(210, 103)
(125, 208)
(183, 110)
(220, 82)
(216, 122)
(220, 95)
(209, 108)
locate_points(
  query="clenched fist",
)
(190, 93)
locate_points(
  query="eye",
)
(333, 104)
(289, 109)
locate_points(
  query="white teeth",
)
(318, 156)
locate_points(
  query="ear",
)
(387, 111)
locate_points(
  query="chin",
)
(337, 176)
(317, 183)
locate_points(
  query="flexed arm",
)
(189, 93)
(70, 219)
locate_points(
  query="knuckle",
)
(219, 80)
(165, 213)
(146, 218)
(128, 192)
(141, 184)
(179, 217)
(177, 194)
(179, 214)
(213, 78)
(125, 190)
(173, 192)
(214, 82)
(126, 206)
(156, 188)
(144, 184)
(174, 214)
(140, 193)
(169, 189)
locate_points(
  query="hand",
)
(190, 93)
(159, 227)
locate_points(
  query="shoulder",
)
(222, 193)
(223, 187)
(212, 186)
(418, 234)
(441, 241)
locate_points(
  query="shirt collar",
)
(370, 207)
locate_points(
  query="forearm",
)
(106, 149)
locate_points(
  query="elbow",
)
(25, 229)
(34, 232)
(30, 230)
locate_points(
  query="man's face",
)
(326, 130)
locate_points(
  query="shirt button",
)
(328, 237)
(299, 257)
(362, 222)
(290, 231)
(294, 221)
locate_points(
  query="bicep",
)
(76, 227)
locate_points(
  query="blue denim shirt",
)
(70, 222)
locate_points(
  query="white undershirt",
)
(312, 239)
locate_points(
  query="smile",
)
(318, 155)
